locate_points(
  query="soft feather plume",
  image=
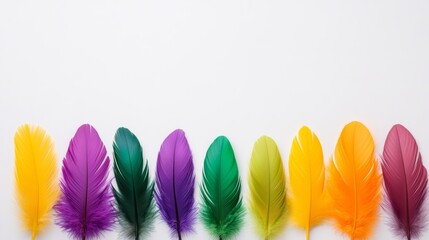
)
(307, 181)
(222, 209)
(354, 182)
(175, 182)
(85, 208)
(405, 182)
(36, 181)
(134, 192)
(267, 184)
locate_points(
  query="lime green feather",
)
(222, 207)
(134, 192)
(267, 185)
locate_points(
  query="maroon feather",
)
(405, 182)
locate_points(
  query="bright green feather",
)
(134, 192)
(222, 208)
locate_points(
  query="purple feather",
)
(175, 183)
(85, 208)
(405, 182)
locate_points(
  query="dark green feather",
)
(134, 191)
(222, 207)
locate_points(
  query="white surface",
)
(241, 68)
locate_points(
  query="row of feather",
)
(86, 204)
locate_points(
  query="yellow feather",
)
(267, 185)
(354, 182)
(36, 182)
(307, 180)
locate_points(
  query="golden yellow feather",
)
(307, 181)
(36, 181)
(267, 183)
(354, 182)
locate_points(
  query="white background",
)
(241, 68)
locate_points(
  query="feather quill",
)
(36, 179)
(85, 208)
(267, 184)
(307, 181)
(134, 192)
(222, 207)
(175, 182)
(405, 182)
(354, 182)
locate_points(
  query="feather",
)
(85, 208)
(36, 179)
(405, 182)
(307, 181)
(175, 182)
(267, 184)
(354, 182)
(222, 207)
(134, 192)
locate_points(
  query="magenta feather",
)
(405, 182)
(85, 208)
(175, 183)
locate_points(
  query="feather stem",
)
(175, 201)
(307, 229)
(407, 228)
(267, 225)
(86, 199)
(355, 194)
(307, 233)
(136, 218)
(407, 212)
(136, 228)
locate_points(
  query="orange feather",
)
(354, 182)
